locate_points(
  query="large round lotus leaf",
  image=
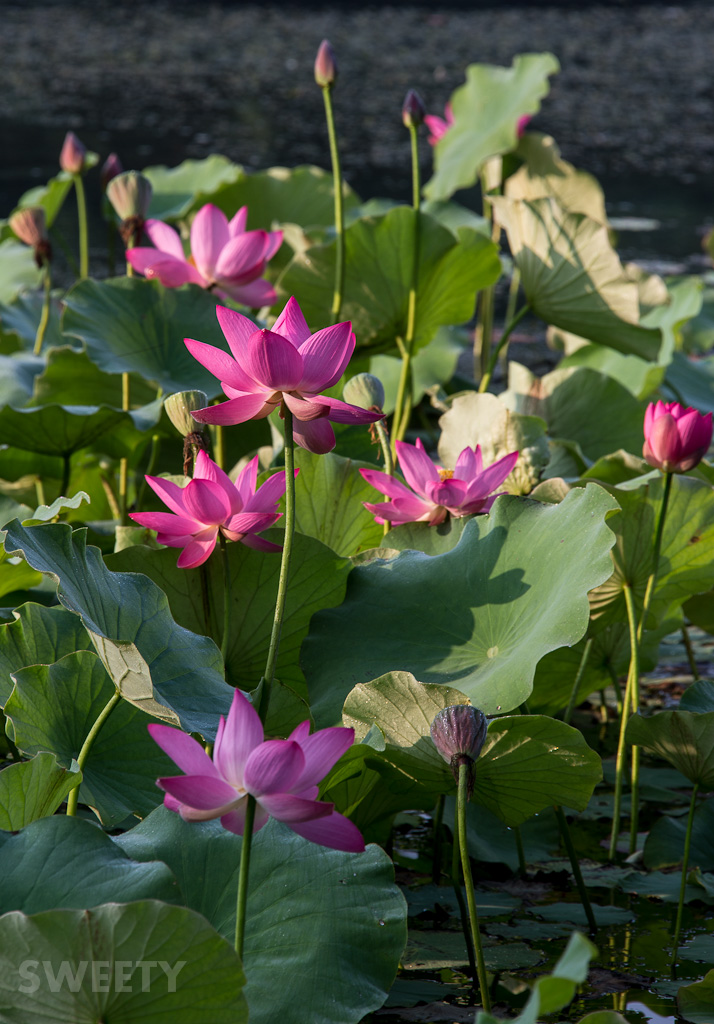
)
(696, 1002)
(57, 429)
(143, 962)
(486, 110)
(163, 669)
(639, 377)
(318, 578)
(69, 377)
(68, 862)
(683, 739)
(18, 270)
(664, 845)
(432, 540)
(54, 707)
(579, 404)
(131, 325)
(572, 277)
(698, 697)
(33, 789)
(281, 195)
(176, 190)
(544, 173)
(479, 617)
(332, 923)
(378, 278)
(17, 377)
(329, 496)
(20, 319)
(486, 421)
(687, 546)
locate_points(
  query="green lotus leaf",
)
(581, 405)
(131, 325)
(68, 862)
(699, 697)
(378, 278)
(694, 381)
(59, 430)
(544, 174)
(20, 319)
(177, 190)
(146, 961)
(283, 195)
(683, 739)
(18, 270)
(317, 580)
(34, 789)
(637, 375)
(53, 193)
(163, 669)
(69, 377)
(17, 377)
(514, 588)
(308, 906)
(433, 365)
(664, 845)
(492, 842)
(572, 277)
(485, 420)
(486, 110)
(432, 540)
(54, 707)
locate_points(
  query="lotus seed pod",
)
(365, 391)
(459, 732)
(179, 408)
(73, 154)
(325, 65)
(110, 168)
(130, 195)
(29, 225)
(413, 109)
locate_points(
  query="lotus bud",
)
(110, 168)
(459, 733)
(522, 124)
(677, 437)
(325, 65)
(73, 154)
(30, 227)
(130, 195)
(413, 110)
(180, 406)
(365, 391)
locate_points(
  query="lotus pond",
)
(349, 670)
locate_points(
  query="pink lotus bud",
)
(325, 65)
(110, 168)
(73, 154)
(459, 733)
(30, 227)
(413, 110)
(365, 391)
(130, 194)
(522, 124)
(676, 438)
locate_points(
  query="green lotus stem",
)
(269, 674)
(461, 804)
(652, 579)
(124, 463)
(436, 840)
(384, 445)
(690, 653)
(39, 491)
(219, 446)
(456, 883)
(521, 853)
(616, 687)
(685, 865)
(627, 707)
(510, 311)
(151, 466)
(339, 210)
(226, 598)
(242, 897)
(83, 231)
(130, 245)
(575, 865)
(103, 715)
(45, 316)
(577, 681)
(508, 331)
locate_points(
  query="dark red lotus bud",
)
(459, 733)
(110, 168)
(413, 110)
(325, 65)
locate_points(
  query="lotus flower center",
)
(446, 474)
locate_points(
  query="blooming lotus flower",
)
(210, 503)
(282, 775)
(465, 489)
(286, 364)
(439, 126)
(676, 438)
(223, 256)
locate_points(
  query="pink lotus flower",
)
(282, 775)
(676, 438)
(439, 126)
(286, 364)
(210, 503)
(461, 491)
(73, 154)
(223, 256)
